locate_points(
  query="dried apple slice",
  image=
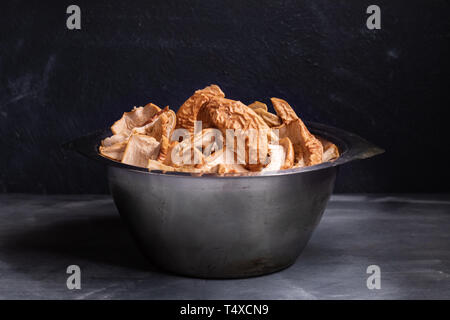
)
(222, 161)
(213, 161)
(281, 155)
(283, 110)
(187, 113)
(156, 165)
(139, 149)
(114, 151)
(171, 123)
(135, 118)
(157, 126)
(272, 120)
(289, 152)
(306, 146)
(208, 140)
(163, 148)
(117, 138)
(330, 150)
(168, 128)
(258, 105)
(122, 128)
(277, 158)
(160, 127)
(224, 168)
(304, 142)
(225, 114)
(222, 113)
(183, 154)
(299, 160)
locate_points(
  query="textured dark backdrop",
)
(389, 86)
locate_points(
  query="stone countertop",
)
(407, 236)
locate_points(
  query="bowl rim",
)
(351, 147)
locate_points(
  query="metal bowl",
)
(229, 226)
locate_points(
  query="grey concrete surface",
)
(406, 236)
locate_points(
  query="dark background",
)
(389, 86)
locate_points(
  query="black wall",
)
(389, 86)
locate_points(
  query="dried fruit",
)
(161, 124)
(308, 150)
(139, 149)
(135, 118)
(163, 149)
(304, 142)
(183, 154)
(330, 151)
(271, 119)
(114, 152)
(117, 138)
(235, 138)
(187, 113)
(161, 127)
(281, 155)
(277, 158)
(230, 168)
(283, 110)
(258, 105)
(289, 153)
(156, 165)
(225, 114)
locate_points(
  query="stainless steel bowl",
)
(225, 226)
